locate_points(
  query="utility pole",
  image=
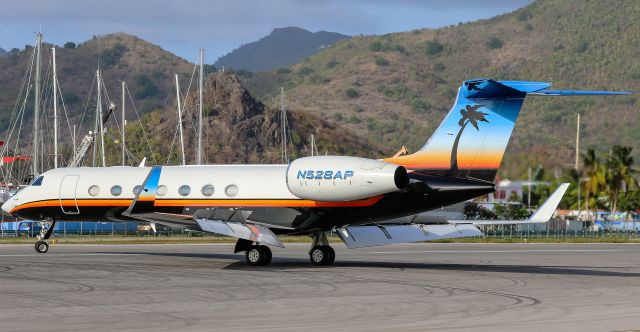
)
(577, 166)
(123, 124)
(180, 119)
(201, 89)
(529, 190)
(55, 110)
(36, 112)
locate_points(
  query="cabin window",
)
(37, 181)
(184, 190)
(231, 190)
(162, 190)
(137, 189)
(94, 190)
(116, 190)
(207, 190)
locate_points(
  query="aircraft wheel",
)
(258, 255)
(42, 247)
(322, 255)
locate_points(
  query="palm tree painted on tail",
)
(469, 115)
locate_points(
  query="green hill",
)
(394, 89)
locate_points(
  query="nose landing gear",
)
(42, 246)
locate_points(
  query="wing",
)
(379, 235)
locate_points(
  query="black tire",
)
(322, 255)
(258, 255)
(42, 247)
(267, 255)
(331, 255)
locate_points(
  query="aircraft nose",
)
(8, 205)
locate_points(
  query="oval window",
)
(94, 190)
(231, 190)
(137, 189)
(116, 190)
(162, 190)
(207, 190)
(184, 190)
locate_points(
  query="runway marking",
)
(494, 251)
(62, 254)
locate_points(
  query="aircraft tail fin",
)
(471, 140)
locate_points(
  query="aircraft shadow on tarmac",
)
(285, 263)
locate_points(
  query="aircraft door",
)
(67, 197)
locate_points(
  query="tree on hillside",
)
(594, 178)
(619, 175)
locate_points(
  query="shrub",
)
(111, 56)
(494, 43)
(305, 71)
(420, 105)
(524, 15)
(337, 116)
(434, 47)
(354, 119)
(70, 45)
(380, 61)
(581, 47)
(145, 87)
(283, 71)
(351, 93)
(375, 46)
(332, 64)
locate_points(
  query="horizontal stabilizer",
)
(371, 236)
(541, 215)
(251, 232)
(578, 93)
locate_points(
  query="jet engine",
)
(338, 178)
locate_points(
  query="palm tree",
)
(469, 115)
(619, 174)
(594, 177)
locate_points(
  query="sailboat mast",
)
(123, 124)
(201, 88)
(180, 119)
(99, 116)
(283, 124)
(55, 110)
(36, 111)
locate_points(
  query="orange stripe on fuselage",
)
(202, 202)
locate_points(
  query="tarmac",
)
(417, 287)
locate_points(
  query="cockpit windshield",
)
(37, 181)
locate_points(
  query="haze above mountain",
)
(281, 48)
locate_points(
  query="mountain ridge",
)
(280, 48)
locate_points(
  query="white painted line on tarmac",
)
(494, 251)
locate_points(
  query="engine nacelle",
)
(337, 178)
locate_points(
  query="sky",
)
(184, 26)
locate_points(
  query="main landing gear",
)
(321, 253)
(256, 254)
(42, 246)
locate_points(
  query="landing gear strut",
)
(321, 253)
(42, 246)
